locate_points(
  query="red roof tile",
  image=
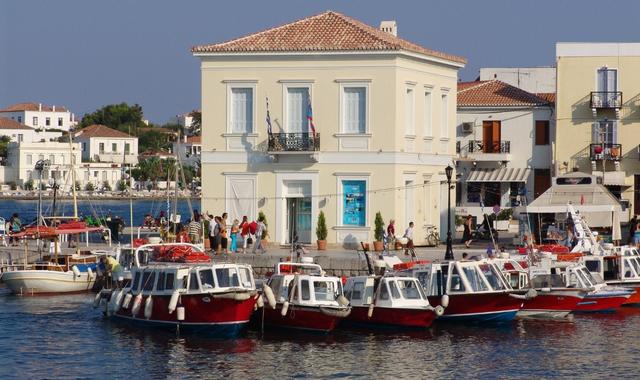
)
(194, 140)
(32, 107)
(99, 130)
(329, 31)
(548, 96)
(495, 93)
(6, 123)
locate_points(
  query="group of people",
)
(390, 236)
(13, 225)
(225, 237)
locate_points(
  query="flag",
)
(269, 129)
(312, 127)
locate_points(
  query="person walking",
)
(260, 230)
(224, 234)
(633, 226)
(195, 229)
(235, 228)
(408, 234)
(466, 235)
(391, 234)
(213, 231)
(244, 233)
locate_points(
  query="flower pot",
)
(378, 246)
(322, 245)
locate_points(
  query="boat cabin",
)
(389, 291)
(213, 278)
(618, 269)
(304, 284)
(463, 276)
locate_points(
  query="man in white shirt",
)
(408, 233)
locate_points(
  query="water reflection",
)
(66, 337)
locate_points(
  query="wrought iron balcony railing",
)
(605, 151)
(606, 99)
(479, 146)
(293, 142)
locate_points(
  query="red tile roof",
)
(6, 123)
(548, 96)
(99, 130)
(32, 107)
(194, 140)
(495, 93)
(329, 31)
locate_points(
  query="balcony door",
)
(607, 86)
(297, 103)
(491, 136)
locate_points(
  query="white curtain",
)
(607, 80)
(242, 110)
(409, 112)
(354, 109)
(428, 130)
(444, 117)
(241, 198)
(297, 102)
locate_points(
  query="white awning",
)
(499, 175)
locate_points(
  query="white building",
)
(103, 144)
(39, 116)
(189, 150)
(504, 137)
(22, 158)
(185, 120)
(17, 132)
(99, 174)
(531, 79)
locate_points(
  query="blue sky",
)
(85, 53)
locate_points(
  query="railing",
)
(479, 146)
(605, 151)
(606, 99)
(458, 147)
(293, 142)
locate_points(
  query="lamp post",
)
(448, 255)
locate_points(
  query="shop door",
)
(299, 219)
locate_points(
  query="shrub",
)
(122, 185)
(505, 214)
(28, 185)
(379, 229)
(321, 228)
(106, 186)
(89, 186)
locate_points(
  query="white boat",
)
(48, 281)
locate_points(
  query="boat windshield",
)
(456, 282)
(493, 276)
(227, 277)
(410, 289)
(547, 281)
(476, 282)
(206, 279)
(324, 290)
(245, 278)
(590, 278)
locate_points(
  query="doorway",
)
(491, 134)
(299, 219)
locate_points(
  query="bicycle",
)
(433, 237)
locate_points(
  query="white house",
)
(39, 116)
(504, 137)
(531, 79)
(189, 150)
(17, 132)
(103, 144)
(22, 158)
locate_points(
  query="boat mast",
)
(72, 160)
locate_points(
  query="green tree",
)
(89, 186)
(4, 145)
(321, 228)
(196, 123)
(106, 186)
(123, 117)
(28, 185)
(379, 227)
(123, 185)
(153, 140)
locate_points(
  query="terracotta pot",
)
(378, 246)
(322, 245)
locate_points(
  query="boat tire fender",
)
(338, 313)
(444, 301)
(439, 310)
(127, 301)
(76, 271)
(148, 307)
(137, 302)
(173, 302)
(285, 308)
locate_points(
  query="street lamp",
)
(448, 255)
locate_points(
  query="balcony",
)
(605, 151)
(606, 99)
(293, 144)
(116, 157)
(478, 150)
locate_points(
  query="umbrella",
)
(616, 234)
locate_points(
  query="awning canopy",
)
(499, 175)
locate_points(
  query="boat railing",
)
(288, 267)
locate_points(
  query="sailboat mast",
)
(72, 160)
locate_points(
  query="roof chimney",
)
(390, 27)
(39, 106)
(53, 108)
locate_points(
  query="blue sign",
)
(354, 203)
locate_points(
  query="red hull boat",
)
(301, 317)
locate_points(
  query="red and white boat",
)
(553, 298)
(182, 288)
(301, 296)
(469, 290)
(619, 267)
(389, 301)
(602, 297)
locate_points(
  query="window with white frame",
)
(20, 137)
(605, 132)
(444, 117)
(35, 121)
(19, 119)
(29, 159)
(59, 122)
(354, 109)
(242, 110)
(409, 112)
(47, 121)
(428, 126)
(297, 104)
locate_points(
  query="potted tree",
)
(265, 232)
(321, 232)
(378, 233)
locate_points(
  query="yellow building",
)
(384, 113)
(598, 114)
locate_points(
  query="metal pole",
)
(449, 252)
